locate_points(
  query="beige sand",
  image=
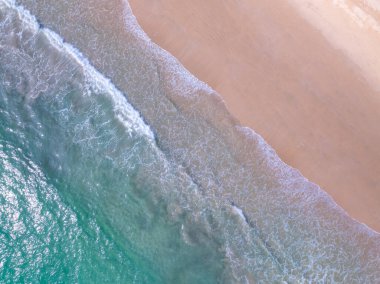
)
(282, 72)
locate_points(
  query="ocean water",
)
(118, 166)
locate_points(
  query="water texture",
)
(134, 172)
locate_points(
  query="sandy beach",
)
(305, 77)
(119, 165)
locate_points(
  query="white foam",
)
(126, 114)
(283, 208)
(181, 79)
(239, 212)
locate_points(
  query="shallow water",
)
(150, 181)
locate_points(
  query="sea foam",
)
(293, 231)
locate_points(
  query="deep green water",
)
(86, 195)
(76, 201)
(169, 190)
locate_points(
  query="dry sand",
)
(305, 76)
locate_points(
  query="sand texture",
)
(303, 75)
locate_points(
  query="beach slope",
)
(294, 74)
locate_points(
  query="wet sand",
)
(309, 88)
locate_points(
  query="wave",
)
(101, 167)
(223, 186)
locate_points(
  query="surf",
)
(152, 165)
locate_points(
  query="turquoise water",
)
(143, 177)
(76, 197)
(83, 186)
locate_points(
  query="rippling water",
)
(150, 181)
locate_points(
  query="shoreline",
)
(291, 231)
(308, 109)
